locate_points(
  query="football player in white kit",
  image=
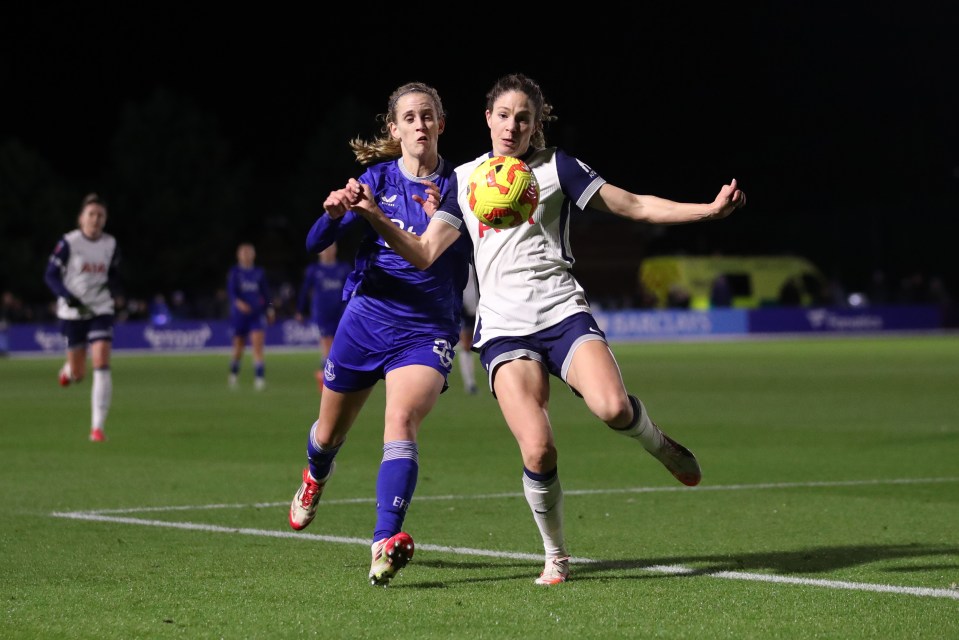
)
(533, 317)
(82, 273)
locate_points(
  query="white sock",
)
(546, 502)
(642, 428)
(467, 369)
(101, 396)
(67, 369)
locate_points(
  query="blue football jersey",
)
(383, 285)
(249, 285)
(322, 291)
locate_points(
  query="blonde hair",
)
(385, 146)
(543, 110)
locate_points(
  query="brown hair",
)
(92, 198)
(386, 146)
(520, 82)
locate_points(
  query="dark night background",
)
(203, 128)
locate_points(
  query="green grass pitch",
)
(829, 506)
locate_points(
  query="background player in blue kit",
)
(322, 294)
(251, 309)
(400, 325)
(533, 317)
(82, 272)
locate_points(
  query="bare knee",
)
(612, 408)
(540, 459)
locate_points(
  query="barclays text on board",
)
(197, 335)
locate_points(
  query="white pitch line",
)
(568, 492)
(99, 516)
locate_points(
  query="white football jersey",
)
(85, 273)
(524, 273)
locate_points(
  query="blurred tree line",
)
(180, 200)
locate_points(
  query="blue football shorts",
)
(79, 332)
(241, 324)
(552, 347)
(327, 324)
(365, 350)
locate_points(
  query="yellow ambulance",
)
(744, 282)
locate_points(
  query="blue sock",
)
(234, 367)
(259, 370)
(320, 459)
(394, 486)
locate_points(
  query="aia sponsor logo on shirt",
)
(484, 228)
(93, 267)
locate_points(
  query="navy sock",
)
(394, 486)
(320, 459)
(541, 477)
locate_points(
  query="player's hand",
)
(730, 198)
(361, 197)
(338, 202)
(75, 303)
(432, 201)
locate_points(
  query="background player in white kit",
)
(533, 317)
(464, 350)
(82, 273)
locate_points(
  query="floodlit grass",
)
(829, 506)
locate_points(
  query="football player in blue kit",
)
(322, 294)
(251, 309)
(400, 324)
(533, 317)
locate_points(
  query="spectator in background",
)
(12, 309)
(321, 295)
(159, 311)
(179, 306)
(790, 294)
(720, 295)
(677, 297)
(250, 312)
(82, 273)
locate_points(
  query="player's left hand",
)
(730, 198)
(432, 201)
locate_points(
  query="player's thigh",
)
(595, 374)
(522, 390)
(411, 393)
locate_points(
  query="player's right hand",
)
(75, 303)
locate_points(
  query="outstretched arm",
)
(654, 210)
(420, 251)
